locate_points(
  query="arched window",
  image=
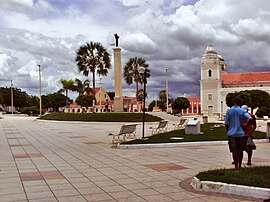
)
(210, 73)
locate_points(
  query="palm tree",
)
(141, 94)
(82, 87)
(93, 57)
(131, 73)
(67, 85)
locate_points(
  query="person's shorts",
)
(237, 143)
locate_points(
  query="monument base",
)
(156, 109)
(118, 104)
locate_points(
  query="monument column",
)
(118, 99)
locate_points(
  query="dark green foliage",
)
(163, 96)
(245, 96)
(85, 100)
(100, 117)
(111, 95)
(33, 110)
(210, 133)
(131, 73)
(161, 105)
(82, 87)
(67, 85)
(141, 94)
(1, 99)
(254, 176)
(20, 98)
(263, 111)
(180, 103)
(91, 58)
(253, 99)
(54, 101)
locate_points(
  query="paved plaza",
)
(75, 161)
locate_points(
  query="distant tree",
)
(141, 95)
(67, 85)
(85, 100)
(54, 100)
(179, 104)
(131, 73)
(160, 105)
(93, 57)
(82, 87)
(163, 96)
(258, 98)
(253, 99)
(1, 99)
(20, 98)
(111, 95)
(241, 94)
(33, 100)
(32, 110)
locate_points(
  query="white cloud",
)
(4, 66)
(138, 42)
(16, 4)
(168, 33)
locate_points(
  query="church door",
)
(210, 110)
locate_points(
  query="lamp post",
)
(11, 89)
(167, 91)
(40, 102)
(221, 110)
(143, 75)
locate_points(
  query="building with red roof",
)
(195, 106)
(216, 82)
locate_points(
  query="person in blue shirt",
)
(234, 120)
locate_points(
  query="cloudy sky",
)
(169, 34)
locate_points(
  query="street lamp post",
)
(40, 102)
(221, 110)
(11, 89)
(167, 91)
(142, 72)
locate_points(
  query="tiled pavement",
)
(60, 161)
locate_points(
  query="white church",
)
(216, 82)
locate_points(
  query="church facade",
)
(216, 82)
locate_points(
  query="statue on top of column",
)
(116, 39)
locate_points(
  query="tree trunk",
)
(137, 90)
(67, 98)
(94, 83)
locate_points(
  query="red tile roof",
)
(246, 77)
(97, 89)
(193, 99)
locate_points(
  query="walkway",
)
(61, 161)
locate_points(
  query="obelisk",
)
(118, 99)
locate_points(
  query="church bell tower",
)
(212, 65)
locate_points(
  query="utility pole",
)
(40, 102)
(100, 86)
(11, 89)
(167, 91)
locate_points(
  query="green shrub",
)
(33, 110)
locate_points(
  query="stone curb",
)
(239, 190)
(163, 145)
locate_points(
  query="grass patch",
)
(254, 176)
(100, 117)
(210, 133)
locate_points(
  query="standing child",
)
(249, 130)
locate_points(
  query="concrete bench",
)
(161, 128)
(180, 125)
(126, 132)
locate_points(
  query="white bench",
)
(126, 132)
(161, 128)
